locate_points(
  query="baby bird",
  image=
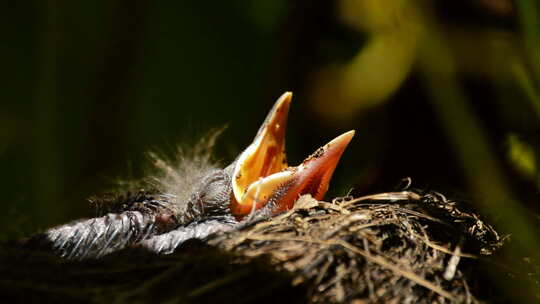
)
(198, 199)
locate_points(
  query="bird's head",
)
(261, 176)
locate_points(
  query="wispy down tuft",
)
(178, 175)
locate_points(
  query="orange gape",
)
(261, 173)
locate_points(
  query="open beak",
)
(261, 174)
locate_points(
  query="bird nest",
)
(399, 247)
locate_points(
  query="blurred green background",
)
(444, 92)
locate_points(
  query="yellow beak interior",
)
(266, 155)
(261, 174)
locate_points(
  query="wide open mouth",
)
(261, 174)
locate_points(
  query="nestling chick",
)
(199, 199)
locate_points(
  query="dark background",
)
(444, 93)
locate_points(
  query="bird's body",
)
(194, 197)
